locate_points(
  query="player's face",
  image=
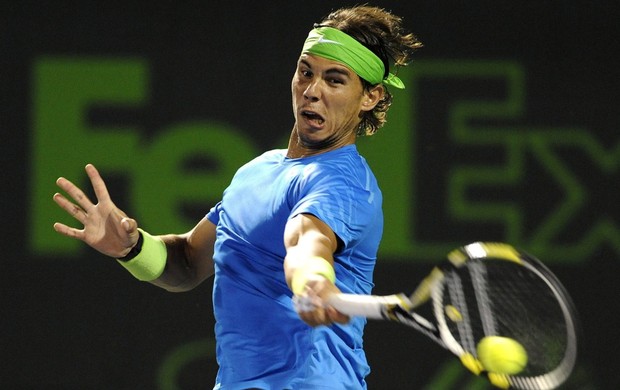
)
(328, 102)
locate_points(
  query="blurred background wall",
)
(507, 131)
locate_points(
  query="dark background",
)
(85, 323)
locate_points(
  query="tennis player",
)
(304, 221)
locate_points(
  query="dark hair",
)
(382, 33)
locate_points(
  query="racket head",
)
(493, 289)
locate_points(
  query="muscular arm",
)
(190, 258)
(306, 236)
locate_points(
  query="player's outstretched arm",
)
(308, 267)
(183, 260)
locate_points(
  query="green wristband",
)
(312, 267)
(150, 263)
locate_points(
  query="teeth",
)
(313, 116)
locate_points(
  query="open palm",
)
(106, 228)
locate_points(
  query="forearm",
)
(298, 256)
(307, 239)
(309, 267)
(184, 268)
(175, 262)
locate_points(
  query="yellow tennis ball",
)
(502, 355)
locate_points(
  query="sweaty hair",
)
(381, 32)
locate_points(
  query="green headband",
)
(333, 44)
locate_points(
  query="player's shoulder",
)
(347, 161)
(345, 165)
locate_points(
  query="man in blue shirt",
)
(336, 188)
(303, 221)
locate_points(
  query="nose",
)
(313, 91)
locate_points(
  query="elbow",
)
(185, 281)
(177, 289)
(176, 286)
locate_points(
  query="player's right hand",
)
(311, 306)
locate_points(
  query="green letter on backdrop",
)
(64, 141)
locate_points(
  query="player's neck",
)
(298, 147)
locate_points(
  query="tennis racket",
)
(486, 289)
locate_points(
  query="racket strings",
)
(503, 298)
(460, 316)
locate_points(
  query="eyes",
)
(332, 77)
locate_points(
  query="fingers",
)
(336, 316)
(313, 311)
(74, 210)
(315, 317)
(101, 191)
(129, 224)
(97, 182)
(323, 316)
(75, 193)
(69, 231)
(312, 307)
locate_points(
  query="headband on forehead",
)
(333, 44)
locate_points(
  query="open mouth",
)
(313, 118)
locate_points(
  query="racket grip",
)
(369, 306)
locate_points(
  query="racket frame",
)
(401, 308)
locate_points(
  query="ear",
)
(372, 97)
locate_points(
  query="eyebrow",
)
(338, 70)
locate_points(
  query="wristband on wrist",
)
(147, 259)
(312, 267)
(135, 251)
